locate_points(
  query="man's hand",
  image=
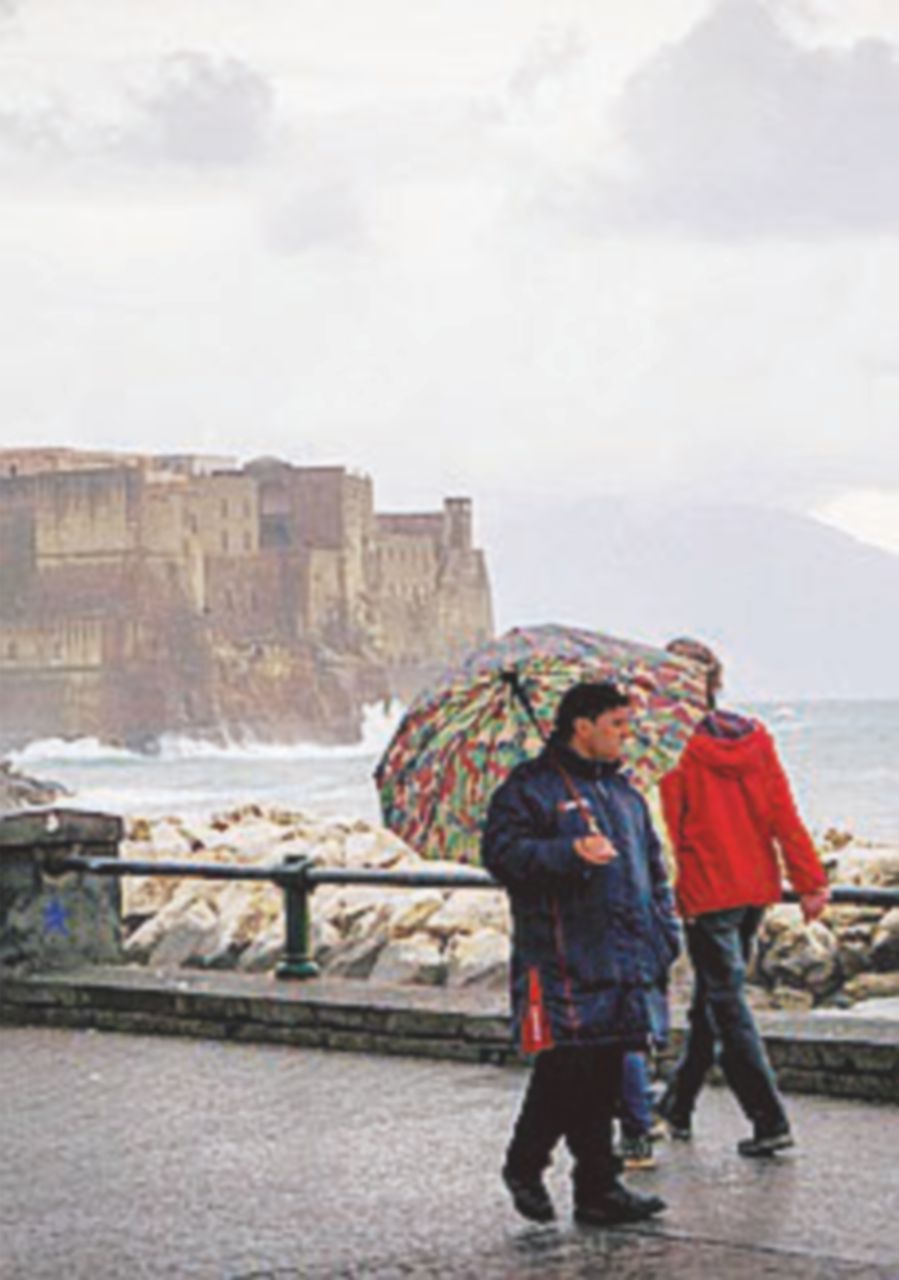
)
(813, 904)
(596, 850)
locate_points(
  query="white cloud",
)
(871, 515)
(202, 111)
(739, 130)
(551, 58)
(317, 213)
(310, 244)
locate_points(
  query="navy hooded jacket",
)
(591, 945)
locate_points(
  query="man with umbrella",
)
(594, 934)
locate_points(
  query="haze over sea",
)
(843, 760)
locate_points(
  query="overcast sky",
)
(513, 248)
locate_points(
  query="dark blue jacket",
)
(593, 943)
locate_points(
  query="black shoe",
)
(766, 1142)
(618, 1204)
(530, 1197)
(679, 1124)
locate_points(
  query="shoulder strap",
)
(582, 806)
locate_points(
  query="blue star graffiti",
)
(56, 918)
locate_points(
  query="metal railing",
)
(299, 877)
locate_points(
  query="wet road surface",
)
(145, 1157)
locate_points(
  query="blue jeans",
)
(636, 1101)
(720, 944)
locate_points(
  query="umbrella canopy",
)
(464, 734)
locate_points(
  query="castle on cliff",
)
(142, 595)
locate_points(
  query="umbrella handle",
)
(511, 678)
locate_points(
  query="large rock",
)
(264, 952)
(870, 986)
(876, 865)
(410, 912)
(411, 960)
(17, 791)
(885, 942)
(481, 958)
(470, 911)
(354, 959)
(792, 954)
(194, 936)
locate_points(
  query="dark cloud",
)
(740, 131)
(202, 112)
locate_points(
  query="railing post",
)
(296, 962)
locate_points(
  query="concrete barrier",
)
(50, 919)
(835, 1054)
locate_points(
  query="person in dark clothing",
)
(594, 935)
(732, 821)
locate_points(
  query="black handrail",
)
(298, 877)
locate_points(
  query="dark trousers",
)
(572, 1094)
(720, 944)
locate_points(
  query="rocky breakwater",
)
(437, 937)
(442, 937)
(850, 955)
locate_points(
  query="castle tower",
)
(457, 520)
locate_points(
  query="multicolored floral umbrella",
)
(462, 736)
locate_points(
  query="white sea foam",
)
(378, 725)
(187, 776)
(53, 750)
(841, 759)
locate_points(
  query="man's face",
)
(604, 737)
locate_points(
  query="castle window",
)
(225, 542)
(247, 542)
(225, 508)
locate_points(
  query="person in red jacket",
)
(735, 830)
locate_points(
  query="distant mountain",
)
(797, 608)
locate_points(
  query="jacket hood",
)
(730, 756)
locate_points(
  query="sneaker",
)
(766, 1144)
(679, 1126)
(637, 1152)
(618, 1204)
(530, 1197)
(658, 1130)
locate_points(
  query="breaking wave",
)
(378, 725)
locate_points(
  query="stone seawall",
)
(825, 1053)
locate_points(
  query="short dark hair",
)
(588, 701)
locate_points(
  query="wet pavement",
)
(125, 1156)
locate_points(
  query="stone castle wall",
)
(139, 595)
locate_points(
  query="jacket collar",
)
(558, 753)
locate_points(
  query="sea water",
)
(842, 758)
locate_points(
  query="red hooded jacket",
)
(732, 820)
